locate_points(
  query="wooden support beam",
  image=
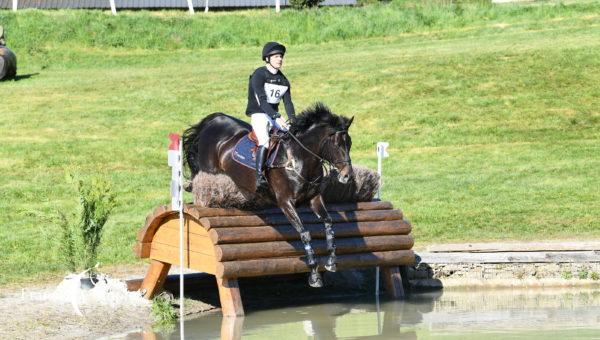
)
(393, 282)
(155, 278)
(191, 259)
(231, 300)
(231, 328)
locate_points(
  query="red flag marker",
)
(174, 141)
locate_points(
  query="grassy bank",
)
(37, 31)
(493, 123)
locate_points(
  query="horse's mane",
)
(318, 114)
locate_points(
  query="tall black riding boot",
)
(261, 153)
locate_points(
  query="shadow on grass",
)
(24, 76)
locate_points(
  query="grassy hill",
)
(491, 112)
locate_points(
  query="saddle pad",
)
(245, 153)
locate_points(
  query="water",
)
(475, 314)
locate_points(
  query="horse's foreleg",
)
(318, 207)
(289, 211)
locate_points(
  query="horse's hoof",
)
(330, 266)
(315, 281)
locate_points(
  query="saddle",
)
(244, 152)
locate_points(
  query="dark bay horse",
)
(316, 137)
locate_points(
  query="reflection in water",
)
(540, 313)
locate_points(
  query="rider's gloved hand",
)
(282, 123)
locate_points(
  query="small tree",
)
(96, 202)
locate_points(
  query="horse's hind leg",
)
(314, 279)
(318, 207)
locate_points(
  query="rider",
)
(266, 88)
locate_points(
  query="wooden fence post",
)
(113, 7)
(190, 6)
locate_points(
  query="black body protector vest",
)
(266, 90)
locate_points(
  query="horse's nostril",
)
(344, 178)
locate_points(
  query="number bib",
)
(274, 92)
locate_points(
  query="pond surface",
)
(474, 314)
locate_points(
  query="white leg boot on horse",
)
(314, 278)
(318, 207)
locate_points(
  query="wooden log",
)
(317, 231)
(273, 266)
(229, 294)
(375, 205)
(194, 212)
(215, 212)
(155, 278)
(393, 282)
(245, 251)
(337, 217)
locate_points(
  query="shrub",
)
(164, 314)
(305, 3)
(67, 243)
(96, 202)
(567, 275)
(80, 240)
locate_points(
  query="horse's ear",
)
(349, 122)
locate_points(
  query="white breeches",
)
(261, 124)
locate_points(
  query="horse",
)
(317, 137)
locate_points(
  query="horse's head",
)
(336, 149)
(330, 133)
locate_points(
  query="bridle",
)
(327, 165)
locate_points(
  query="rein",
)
(325, 164)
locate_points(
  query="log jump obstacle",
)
(232, 243)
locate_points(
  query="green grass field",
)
(491, 112)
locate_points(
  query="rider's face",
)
(276, 60)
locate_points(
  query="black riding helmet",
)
(272, 48)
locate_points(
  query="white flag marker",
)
(381, 154)
(175, 161)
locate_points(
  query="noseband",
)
(322, 160)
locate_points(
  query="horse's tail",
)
(192, 139)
